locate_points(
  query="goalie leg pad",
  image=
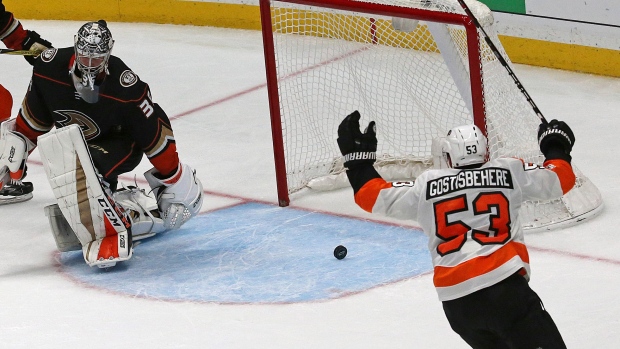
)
(106, 252)
(65, 237)
(98, 222)
(142, 210)
(14, 149)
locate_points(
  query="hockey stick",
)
(503, 61)
(8, 51)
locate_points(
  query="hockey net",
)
(416, 67)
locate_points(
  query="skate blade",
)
(15, 199)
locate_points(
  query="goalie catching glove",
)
(179, 197)
(556, 140)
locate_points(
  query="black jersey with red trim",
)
(6, 19)
(124, 105)
(11, 31)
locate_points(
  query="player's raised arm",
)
(556, 141)
(359, 152)
(14, 36)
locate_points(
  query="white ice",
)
(211, 83)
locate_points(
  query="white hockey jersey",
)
(471, 217)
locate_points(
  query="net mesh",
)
(414, 82)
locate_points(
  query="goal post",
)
(416, 67)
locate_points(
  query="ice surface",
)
(211, 83)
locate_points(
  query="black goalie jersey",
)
(124, 105)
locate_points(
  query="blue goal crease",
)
(259, 253)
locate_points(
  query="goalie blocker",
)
(102, 224)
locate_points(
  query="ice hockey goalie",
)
(104, 224)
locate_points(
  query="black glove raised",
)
(556, 140)
(33, 41)
(356, 147)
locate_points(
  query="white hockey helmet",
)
(464, 146)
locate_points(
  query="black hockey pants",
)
(114, 155)
(508, 314)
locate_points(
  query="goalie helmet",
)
(93, 44)
(464, 146)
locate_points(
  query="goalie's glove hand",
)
(34, 42)
(356, 147)
(556, 140)
(179, 197)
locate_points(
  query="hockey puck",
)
(340, 252)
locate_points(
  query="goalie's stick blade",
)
(5, 200)
(8, 51)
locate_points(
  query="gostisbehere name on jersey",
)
(492, 177)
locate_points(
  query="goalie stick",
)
(8, 51)
(503, 61)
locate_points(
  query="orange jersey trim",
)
(50, 79)
(120, 162)
(565, 173)
(167, 162)
(368, 194)
(451, 276)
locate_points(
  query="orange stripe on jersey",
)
(50, 79)
(368, 194)
(121, 161)
(450, 276)
(565, 173)
(166, 162)
(126, 100)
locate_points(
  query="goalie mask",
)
(464, 146)
(93, 44)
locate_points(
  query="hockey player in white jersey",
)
(470, 213)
